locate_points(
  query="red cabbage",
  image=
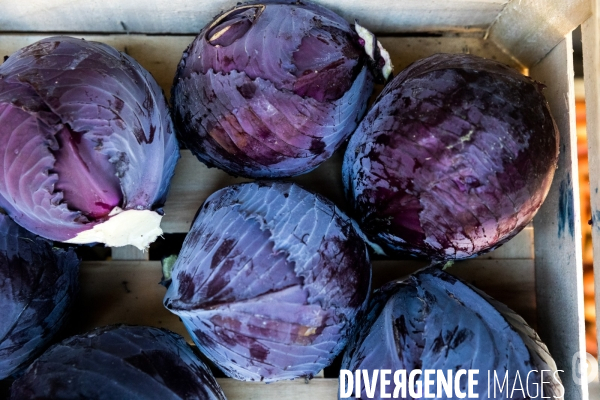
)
(454, 159)
(434, 321)
(38, 285)
(119, 362)
(86, 141)
(269, 281)
(272, 89)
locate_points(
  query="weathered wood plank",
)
(405, 50)
(321, 389)
(558, 254)
(161, 54)
(510, 281)
(129, 253)
(594, 388)
(184, 16)
(529, 29)
(128, 291)
(590, 35)
(521, 246)
(194, 182)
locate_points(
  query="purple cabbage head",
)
(272, 89)
(434, 321)
(269, 281)
(454, 159)
(119, 362)
(38, 285)
(86, 141)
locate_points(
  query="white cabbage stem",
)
(370, 41)
(138, 228)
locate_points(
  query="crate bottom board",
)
(128, 292)
(317, 388)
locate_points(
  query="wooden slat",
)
(129, 253)
(161, 54)
(594, 388)
(521, 246)
(590, 35)
(529, 29)
(184, 16)
(510, 281)
(128, 291)
(317, 389)
(194, 182)
(558, 257)
(405, 50)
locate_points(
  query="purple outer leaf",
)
(454, 159)
(83, 128)
(270, 280)
(119, 362)
(38, 284)
(433, 320)
(271, 89)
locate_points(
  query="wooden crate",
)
(538, 273)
